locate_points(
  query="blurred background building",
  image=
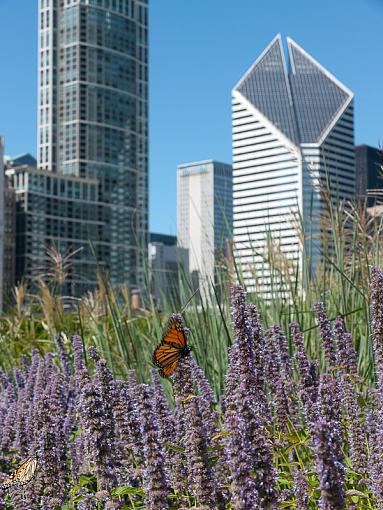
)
(292, 133)
(204, 215)
(55, 215)
(369, 174)
(168, 265)
(9, 260)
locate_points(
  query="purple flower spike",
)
(330, 471)
(327, 434)
(355, 428)
(19, 379)
(329, 408)
(48, 503)
(155, 483)
(248, 451)
(63, 355)
(280, 379)
(345, 350)
(7, 398)
(98, 433)
(258, 341)
(308, 387)
(161, 408)
(31, 376)
(201, 481)
(374, 423)
(203, 384)
(8, 432)
(301, 487)
(377, 323)
(78, 356)
(104, 378)
(206, 401)
(18, 500)
(326, 335)
(23, 434)
(127, 422)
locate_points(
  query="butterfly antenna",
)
(188, 301)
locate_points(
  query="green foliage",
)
(352, 242)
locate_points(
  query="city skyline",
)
(87, 197)
(328, 34)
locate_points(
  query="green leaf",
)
(86, 479)
(120, 491)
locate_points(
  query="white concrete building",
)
(292, 130)
(204, 214)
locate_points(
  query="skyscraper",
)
(1, 220)
(9, 253)
(93, 120)
(293, 131)
(204, 214)
(369, 165)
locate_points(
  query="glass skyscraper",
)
(369, 165)
(293, 132)
(93, 124)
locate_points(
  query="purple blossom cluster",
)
(103, 442)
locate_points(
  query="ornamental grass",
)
(286, 431)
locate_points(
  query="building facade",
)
(293, 133)
(93, 122)
(369, 174)
(55, 212)
(204, 214)
(167, 262)
(9, 260)
(1, 221)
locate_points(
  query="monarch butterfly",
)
(173, 346)
(23, 474)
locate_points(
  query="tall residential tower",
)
(93, 125)
(293, 131)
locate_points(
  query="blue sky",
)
(198, 51)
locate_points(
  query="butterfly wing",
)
(165, 354)
(8, 482)
(169, 369)
(22, 475)
(26, 471)
(174, 333)
(173, 346)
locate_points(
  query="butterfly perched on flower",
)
(23, 474)
(173, 346)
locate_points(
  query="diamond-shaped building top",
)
(266, 86)
(318, 97)
(302, 103)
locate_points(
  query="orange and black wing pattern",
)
(172, 348)
(175, 332)
(22, 475)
